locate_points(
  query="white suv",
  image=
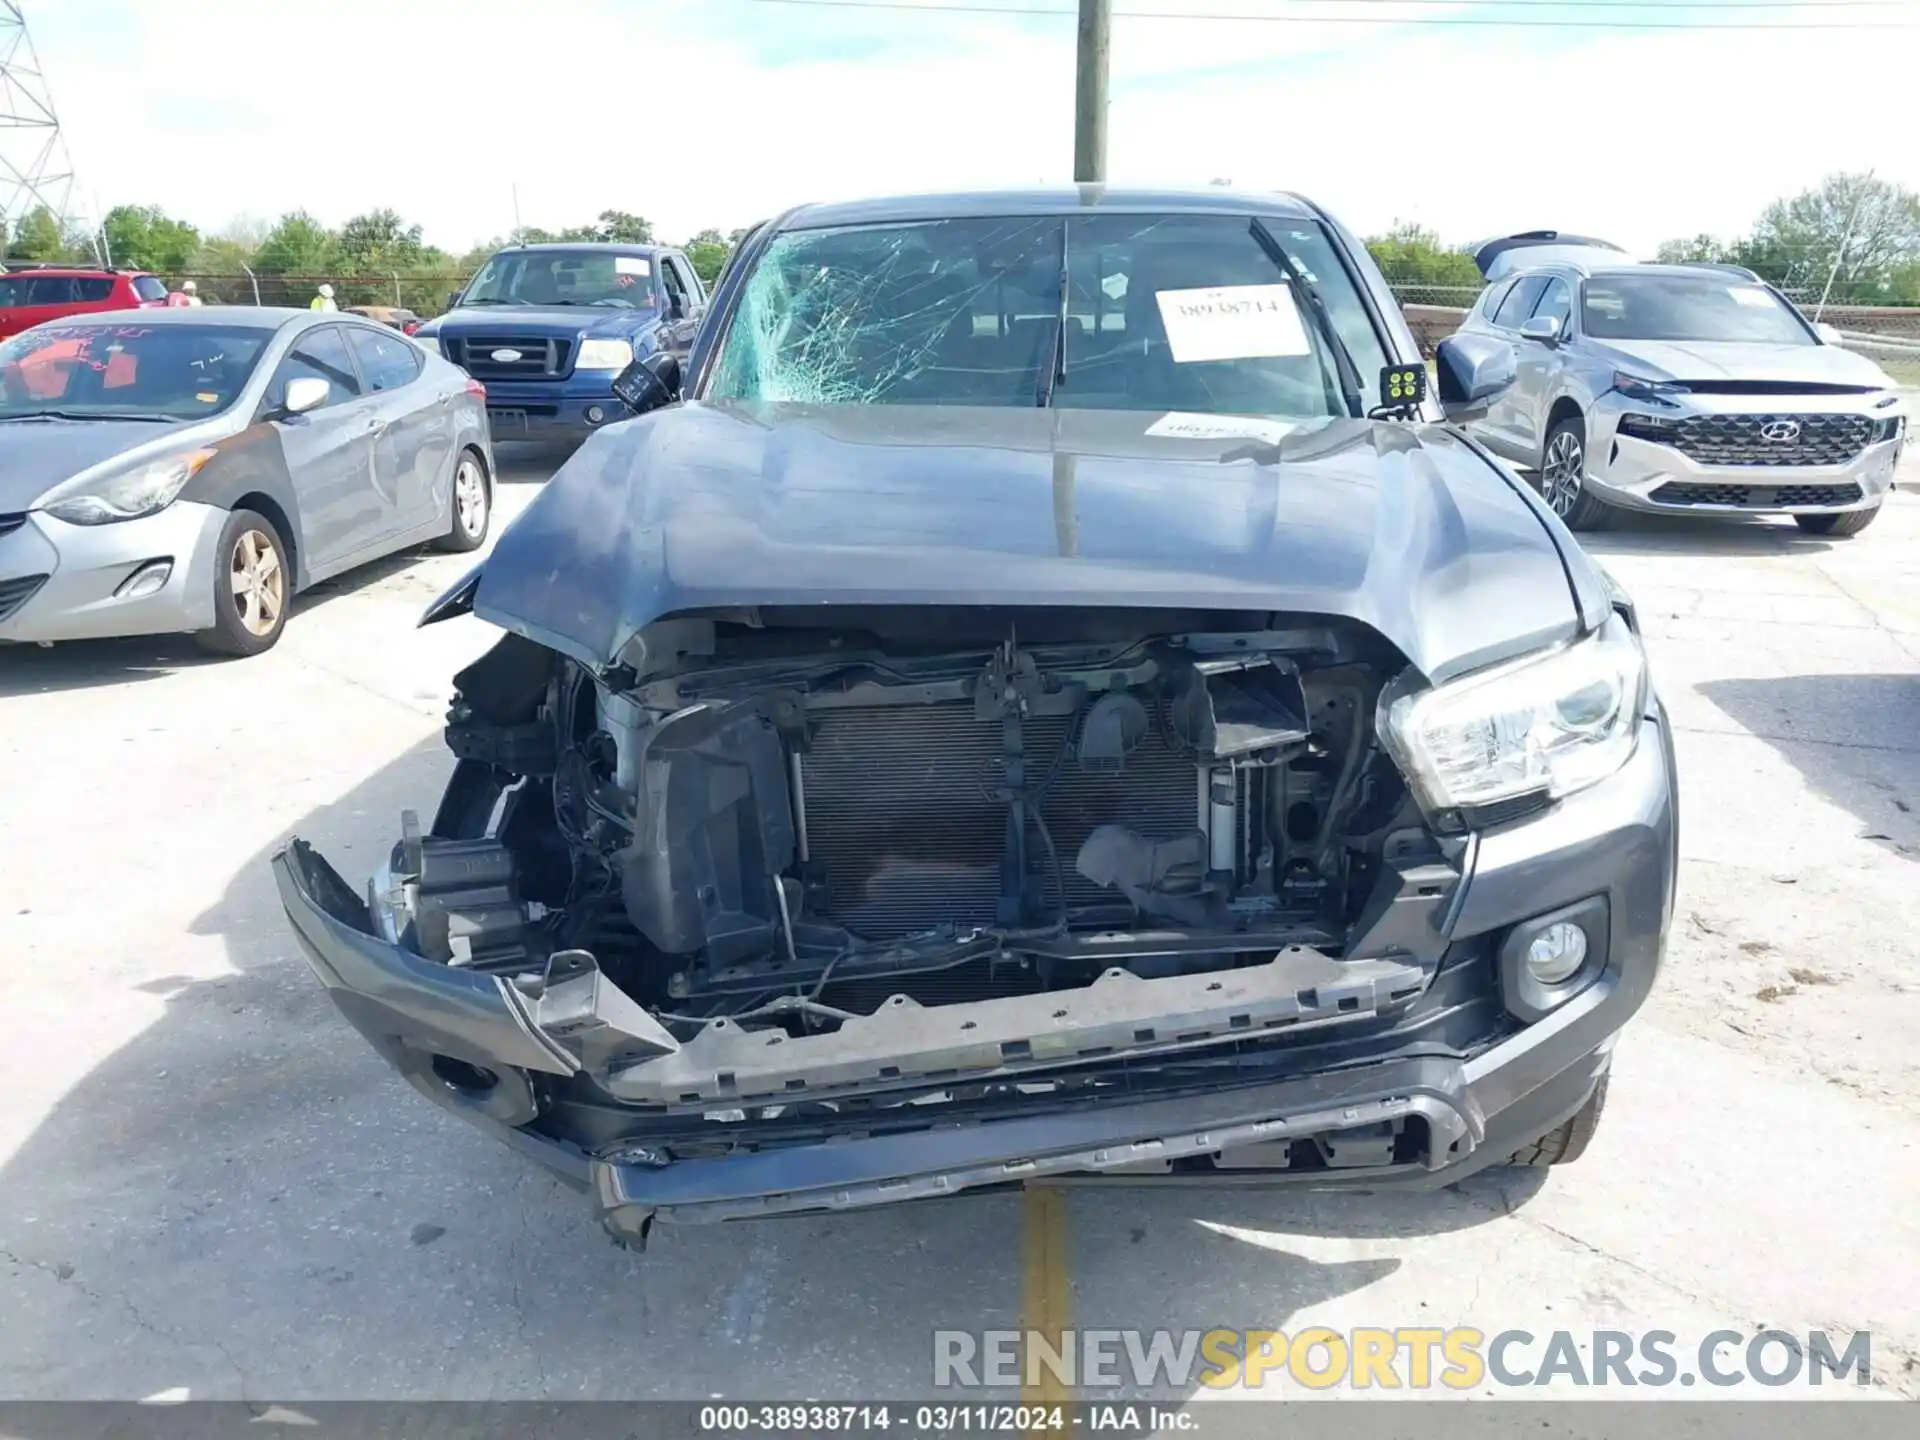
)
(1683, 388)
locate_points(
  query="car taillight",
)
(476, 389)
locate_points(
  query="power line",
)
(1437, 20)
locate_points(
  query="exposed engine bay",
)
(816, 850)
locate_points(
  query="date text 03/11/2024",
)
(944, 1419)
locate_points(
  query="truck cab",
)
(546, 328)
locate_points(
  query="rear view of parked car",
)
(191, 470)
(1694, 389)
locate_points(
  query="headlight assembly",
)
(128, 495)
(603, 355)
(1538, 728)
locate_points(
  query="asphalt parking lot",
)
(209, 1185)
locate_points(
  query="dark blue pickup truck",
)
(545, 328)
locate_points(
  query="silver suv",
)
(1682, 388)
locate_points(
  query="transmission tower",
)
(35, 168)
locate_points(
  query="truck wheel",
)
(1851, 523)
(1563, 464)
(1567, 1142)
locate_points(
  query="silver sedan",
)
(192, 470)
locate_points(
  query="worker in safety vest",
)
(323, 300)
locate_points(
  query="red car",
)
(33, 297)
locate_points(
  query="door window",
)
(387, 361)
(1490, 301)
(148, 287)
(321, 354)
(1556, 303)
(690, 282)
(1519, 302)
(676, 289)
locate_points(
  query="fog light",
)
(1556, 953)
(595, 414)
(145, 581)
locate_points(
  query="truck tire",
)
(1565, 1143)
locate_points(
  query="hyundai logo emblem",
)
(1778, 432)
(507, 357)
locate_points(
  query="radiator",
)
(900, 821)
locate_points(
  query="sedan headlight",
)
(429, 343)
(1543, 727)
(604, 355)
(128, 495)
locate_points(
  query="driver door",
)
(685, 305)
(329, 451)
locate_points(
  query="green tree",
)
(36, 236)
(1411, 254)
(379, 241)
(1863, 231)
(298, 245)
(708, 252)
(1697, 250)
(620, 227)
(147, 238)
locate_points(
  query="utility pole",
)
(1846, 239)
(1090, 92)
(35, 170)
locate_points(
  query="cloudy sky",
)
(718, 112)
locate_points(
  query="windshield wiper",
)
(1056, 370)
(93, 415)
(1343, 364)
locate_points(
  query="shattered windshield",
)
(1165, 313)
(563, 277)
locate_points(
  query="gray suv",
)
(1682, 388)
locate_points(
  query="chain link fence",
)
(424, 294)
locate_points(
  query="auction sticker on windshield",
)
(1178, 425)
(631, 265)
(1232, 322)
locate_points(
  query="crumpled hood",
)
(1404, 528)
(36, 455)
(1711, 360)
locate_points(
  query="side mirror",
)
(304, 393)
(1473, 370)
(1828, 334)
(649, 383)
(1544, 328)
(453, 300)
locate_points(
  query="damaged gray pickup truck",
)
(1047, 693)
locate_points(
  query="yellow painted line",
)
(1043, 1284)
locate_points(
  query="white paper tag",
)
(1115, 287)
(1751, 295)
(1232, 322)
(631, 265)
(1181, 426)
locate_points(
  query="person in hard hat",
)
(323, 300)
(187, 294)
